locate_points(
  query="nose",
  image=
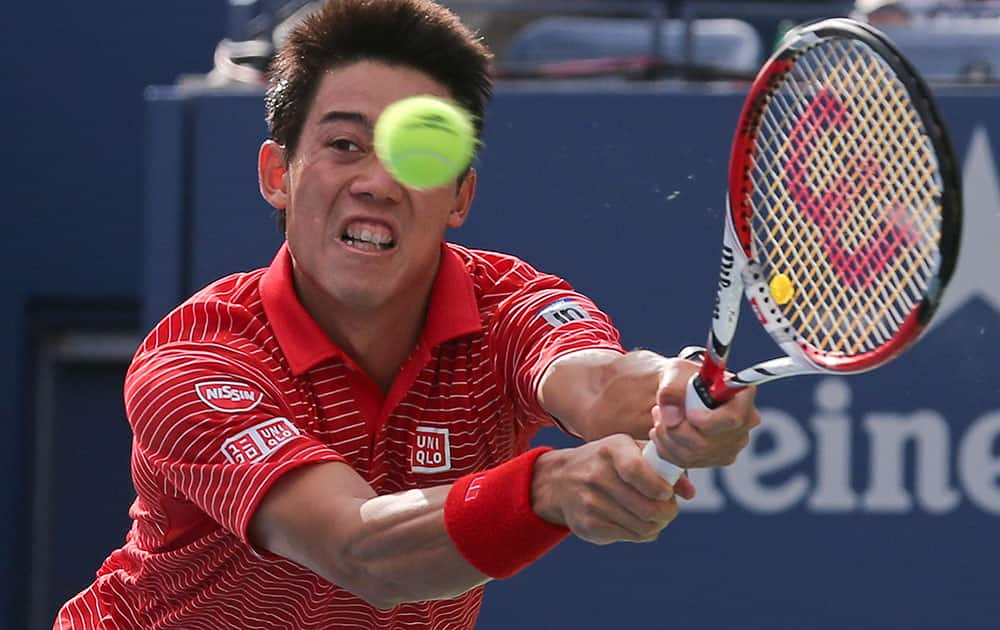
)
(375, 182)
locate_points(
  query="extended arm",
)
(441, 541)
(594, 393)
(384, 549)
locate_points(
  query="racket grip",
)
(671, 472)
(667, 470)
(695, 394)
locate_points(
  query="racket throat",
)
(710, 383)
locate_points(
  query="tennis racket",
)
(843, 213)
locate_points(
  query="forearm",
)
(404, 548)
(385, 549)
(415, 545)
(598, 393)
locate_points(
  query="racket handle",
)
(696, 396)
(671, 472)
(667, 470)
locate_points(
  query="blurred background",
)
(132, 130)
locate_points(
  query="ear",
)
(272, 173)
(463, 201)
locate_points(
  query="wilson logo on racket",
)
(725, 276)
(831, 202)
(228, 396)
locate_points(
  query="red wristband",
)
(489, 517)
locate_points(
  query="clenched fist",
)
(604, 491)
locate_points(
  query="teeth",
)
(368, 236)
(366, 245)
(368, 233)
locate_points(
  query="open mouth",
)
(368, 236)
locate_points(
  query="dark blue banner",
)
(863, 502)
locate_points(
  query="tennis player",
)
(342, 439)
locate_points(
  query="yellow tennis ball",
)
(424, 141)
(782, 288)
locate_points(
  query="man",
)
(341, 440)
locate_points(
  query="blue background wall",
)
(72, 111)
(620, 191)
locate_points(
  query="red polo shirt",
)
(239, 385)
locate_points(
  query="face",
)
(357, 237)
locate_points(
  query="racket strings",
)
(846, 198)
(881, 327)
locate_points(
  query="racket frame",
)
(741, 273)
(738, 266)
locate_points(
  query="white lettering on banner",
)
(746, 482)
(832, 491)
(978, 467)
(890, 434)
(921, 439)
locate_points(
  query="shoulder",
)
(497, 273)
(227, 312)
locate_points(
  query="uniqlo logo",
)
(276, 432)
(256, 443)
(241, 450)
(431, 451)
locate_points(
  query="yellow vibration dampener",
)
(782, 288)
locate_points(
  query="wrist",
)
(490, 519)
(544, 487)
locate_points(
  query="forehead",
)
(367, 87)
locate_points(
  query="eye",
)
(345, 145)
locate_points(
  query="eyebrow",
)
(354, 117)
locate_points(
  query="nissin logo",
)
(228, 396)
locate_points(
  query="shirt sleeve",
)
(216, 428)
(541, 320)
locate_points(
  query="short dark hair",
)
(418, 34)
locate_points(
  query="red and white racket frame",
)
(741, 274)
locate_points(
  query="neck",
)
(380, 338)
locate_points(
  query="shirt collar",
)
(452, 311)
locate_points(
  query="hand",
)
(701, 439)
(604, 491)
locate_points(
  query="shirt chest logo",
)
(431, 452)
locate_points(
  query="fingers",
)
(683, 446)
(684, 488)
(615, 495)
(637, 474)
(736, 414)
(673, 381)
(705, 438)
(669, 415)
(622, 515)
